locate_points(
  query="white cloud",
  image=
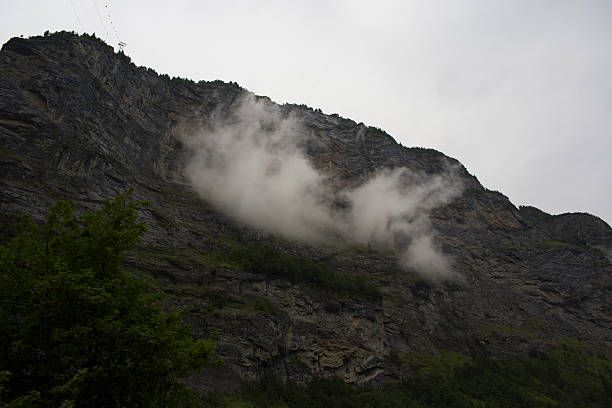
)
(249, 165)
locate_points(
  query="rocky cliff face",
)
(78, 121)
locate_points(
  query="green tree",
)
(77, 331)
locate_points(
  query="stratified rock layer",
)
(78, 121)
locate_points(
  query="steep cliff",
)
(81, 122)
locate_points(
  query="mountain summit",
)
(319, 246)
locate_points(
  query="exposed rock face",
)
(78, 121)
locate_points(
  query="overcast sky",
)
(519, 91)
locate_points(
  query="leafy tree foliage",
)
(75, 330)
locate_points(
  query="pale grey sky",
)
(519, 91)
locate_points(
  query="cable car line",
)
(76, 15)
(100, 17)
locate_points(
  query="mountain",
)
(81, 122)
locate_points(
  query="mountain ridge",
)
(79, 121)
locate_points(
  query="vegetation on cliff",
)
(75, 330)
(268, 261)
(565, 377)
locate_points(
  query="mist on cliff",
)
(250, 164)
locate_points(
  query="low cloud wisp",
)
(250, 165)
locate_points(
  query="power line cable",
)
(89, 20)
(76, 15)
(100, 17)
